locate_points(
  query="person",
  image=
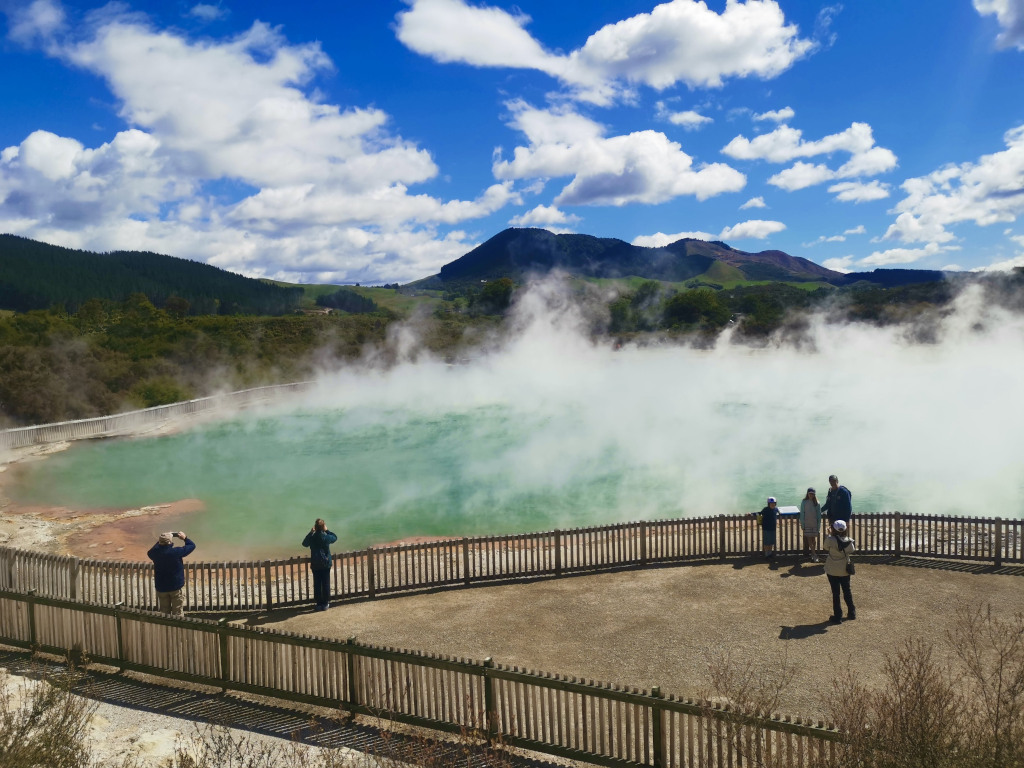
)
(838, 548)
(169, 571)
(810, 523)
(319, 541)
(768, 518)
(838, 503)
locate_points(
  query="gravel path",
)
(660, 626)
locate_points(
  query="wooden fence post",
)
(490, 713)
(267, 591)
(350, 668)
(721, 537)
(657, 729)
(898, 533)
(371, 579)
(999, 542)
(119, 632)
(558, 552)
(465, 560)
(31, 618)
(643, 542)
(225, 665)
(75, 565)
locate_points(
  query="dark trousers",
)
(322, 586)
(837, 583)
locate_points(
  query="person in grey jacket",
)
(810, 523)
(838, 548)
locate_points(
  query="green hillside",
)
(36, 275)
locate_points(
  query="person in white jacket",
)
(838, 548)
(810, 523)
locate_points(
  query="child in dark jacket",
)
(768, 519)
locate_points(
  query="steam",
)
(552, 427)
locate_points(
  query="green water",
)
(374, 475)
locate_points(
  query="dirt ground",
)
(661, 627)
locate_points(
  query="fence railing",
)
(266, 584)
(596, 722)
(132, 420)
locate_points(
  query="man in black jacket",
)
(169, 571)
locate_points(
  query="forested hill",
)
(36, 275)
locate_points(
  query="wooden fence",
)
(595, 722)
(121, 423)
(266, 584)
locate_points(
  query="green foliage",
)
(35, 275)
(700, 306)
(347, 300)
(495, 297)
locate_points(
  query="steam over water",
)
(551, 431)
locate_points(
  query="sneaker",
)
(851, 616)
(835, 619)
(814, 559)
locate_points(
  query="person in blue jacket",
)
(319, 541)
(768, 519)
(169, 571)
(839, 503)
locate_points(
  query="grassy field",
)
(401, 303)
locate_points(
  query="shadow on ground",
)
(212, 707)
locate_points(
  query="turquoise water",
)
(375, 476)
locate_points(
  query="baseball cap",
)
(771, 499)
(839, 525)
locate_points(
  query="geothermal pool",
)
(553, 431)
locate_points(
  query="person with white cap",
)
(169, 571)
(768, 519)
(838, 548)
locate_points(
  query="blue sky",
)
(354, 141)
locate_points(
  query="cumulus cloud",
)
(776, 116)
(1010, 15)
(546, 216)
(986, 192)
(754, 202)
(841, 264)
(757, 229)
(900, 255)
(640, 167)
(753, 229)
(241, 113)
(206, 12)
(859, 192)
(688, 119)
(785, 144)
(681, 41)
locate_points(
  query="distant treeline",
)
(36, 275)
(347, 300)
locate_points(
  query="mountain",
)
(518, 252)
(36, 275)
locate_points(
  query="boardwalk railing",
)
(266, 584)
(121, 423)
(596, 722)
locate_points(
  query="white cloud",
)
(858, 230)
(544, 216)
(689, 119)
(206, 12)
(777, 116)
(1010, 14)
(1007, 265)
(841, 264)
(754, 202)
(680, 41)
(800, 176)
(313, 183)
(987, 192)
(640, 167)
(754, 229)
(35, 22)
(859, 192)
(900, 255)
(660, 239)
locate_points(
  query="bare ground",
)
(661, 626)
